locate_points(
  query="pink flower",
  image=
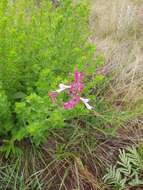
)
(53, 96)
(74, 91)
(78, 76)
(77, 86)
(72, 103)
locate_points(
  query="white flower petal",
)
(62, 87)
(85, 101)
(89, 107)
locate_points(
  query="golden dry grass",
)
(117, 28)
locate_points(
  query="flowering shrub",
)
(40, 46)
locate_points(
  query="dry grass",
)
(67, 165)
(117, 28)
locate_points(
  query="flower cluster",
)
(74, 91)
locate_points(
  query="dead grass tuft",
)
(117, 28)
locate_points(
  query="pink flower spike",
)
(68, 105)
(72, 103)
(78, 76)
(53, 96)
(76, 88)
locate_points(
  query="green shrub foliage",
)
(40, 45)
